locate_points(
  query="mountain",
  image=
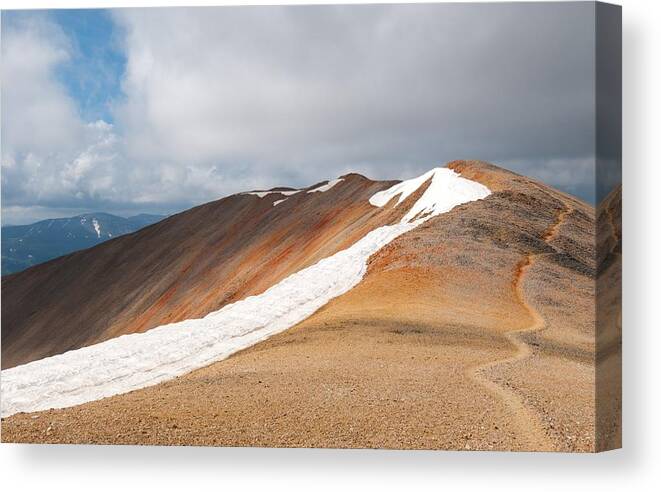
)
(608, 383)
(185, 266)
(24, 246)
(455, 310)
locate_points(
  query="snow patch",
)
(97, 227)
(135, 361)
(139, 360)
(327, 186)
(322, 188)
(262, 194)
(446, 190)
(278, 201)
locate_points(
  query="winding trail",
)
(526, 419)
(611, 225)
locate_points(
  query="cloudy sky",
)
(156, 110)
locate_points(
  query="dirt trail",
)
(611, 224)
(524, 417)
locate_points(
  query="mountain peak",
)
(445, 189)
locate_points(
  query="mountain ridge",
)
(170, 271)
(27, 245)
(473, 330)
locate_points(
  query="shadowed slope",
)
(183, 267)
(609, 321)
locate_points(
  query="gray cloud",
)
(218, 100)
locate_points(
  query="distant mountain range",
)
(26, 245)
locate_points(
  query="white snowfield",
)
(97, 227)
(319, 189)
(139, 360)
(327, 186)
(445, 191)
(322, 188)
(262, 194)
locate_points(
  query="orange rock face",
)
(184, 267)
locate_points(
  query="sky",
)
(157, 110)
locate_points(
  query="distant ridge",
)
(24, 246)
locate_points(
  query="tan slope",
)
(528, 421)
(609, 321)
(440, 346)
(183, 267)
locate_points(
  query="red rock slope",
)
(183, 267)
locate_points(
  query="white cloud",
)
(54, 163)
(221, 100)
(37, 115)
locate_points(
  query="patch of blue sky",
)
(92, 76)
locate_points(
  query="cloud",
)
(575, 176)
(304, 91)
(54, 163)
(218, 100)
(51, 158)
(37, 116)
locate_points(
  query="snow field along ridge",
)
(262, 194)
(322, 188)
(134, 361)
(327, 186)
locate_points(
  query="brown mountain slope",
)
(473, 331)
(609, 320)
(183, 267)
